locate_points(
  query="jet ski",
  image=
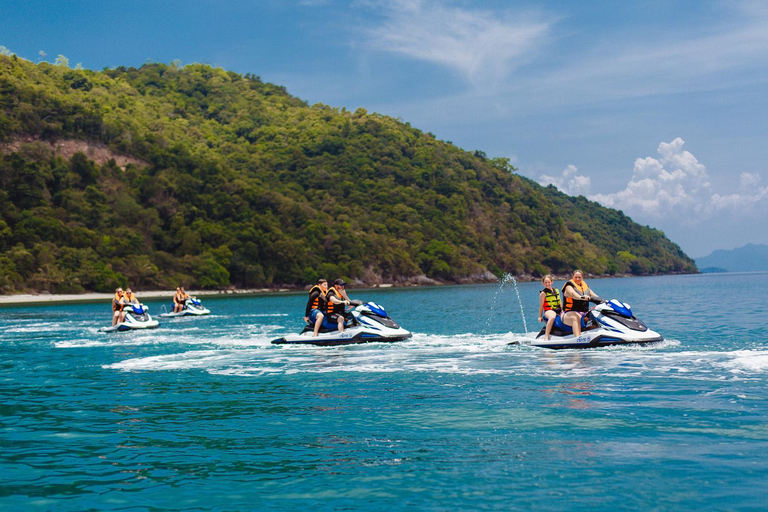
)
(192, 307)
(608, 323)
(366, 323)
(136, 317)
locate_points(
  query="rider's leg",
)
(318, 323)
(550, 316)
(573, 319)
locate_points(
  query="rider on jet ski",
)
(336, 299)
(118, 302)
(576, 297)
(313, 313)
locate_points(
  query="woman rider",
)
(550, 304)
(178, 300)
(576, 295)
(118, 302)
(313, 313)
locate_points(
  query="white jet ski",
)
(192, 307)
(366, 323)
(136, 317)
(608, 323)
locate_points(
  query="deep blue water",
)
(206, 414)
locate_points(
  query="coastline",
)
(31, 299)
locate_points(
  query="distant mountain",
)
(750, 258)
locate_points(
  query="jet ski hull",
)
(136, 319)
(598, 338)
(351, 336)
(609, 323)
(124, 326)
(186, 312)
(192, 307)
(369, 323)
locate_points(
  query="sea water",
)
(206, 414)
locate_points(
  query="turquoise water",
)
(206, 414)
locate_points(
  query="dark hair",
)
(321, 281)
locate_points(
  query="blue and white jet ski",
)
(192, 307)
(366, 323)
(608, 323)
(136, 317)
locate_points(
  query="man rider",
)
(316, 304)
(336, 299)
(130, 297)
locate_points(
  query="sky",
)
(657, 108)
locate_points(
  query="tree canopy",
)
(209, 178)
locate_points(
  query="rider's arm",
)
(571, 292)
(541, 304)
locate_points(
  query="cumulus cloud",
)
(676, 185)
(483, 46)
(569, 181)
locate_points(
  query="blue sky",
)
(658, 108)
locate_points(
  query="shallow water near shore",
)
(206, 414)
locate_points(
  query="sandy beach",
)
(50, 298)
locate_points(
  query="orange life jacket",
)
(330, 307)
(116, 306)
(572, 304)
(319, 302)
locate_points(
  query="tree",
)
(62, 61)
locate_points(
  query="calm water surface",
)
(206, 414)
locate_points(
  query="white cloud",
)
(483, 46)
(749, 180)
(676, 186)
(569, 181)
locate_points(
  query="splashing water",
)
(510, 277)
(502, 281)
(506, 278)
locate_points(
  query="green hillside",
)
(167, 174)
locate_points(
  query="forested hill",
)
(168, 175)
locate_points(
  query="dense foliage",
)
(235, 182)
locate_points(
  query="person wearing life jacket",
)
(118, 302)
(576, 297)
(550, 305)
(313, 313)
(178, 300)
(128, 298)
(335, 301)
